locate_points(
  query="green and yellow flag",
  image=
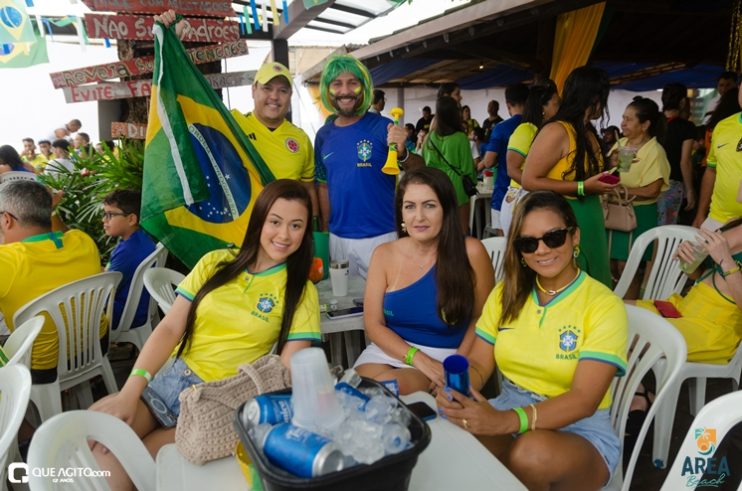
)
(201, 173)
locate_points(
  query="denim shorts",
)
(596, 429)
(172, 379)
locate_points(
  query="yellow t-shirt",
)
(520, 141)
(724, 156)
(649, 165)
(540, 350)
(38, 162)
(286, 150)
(240, 321)
(37, 265)
(561, 170)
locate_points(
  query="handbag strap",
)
(254, 375)
(445, 160)
(622, 193)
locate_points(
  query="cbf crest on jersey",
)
(365, 148)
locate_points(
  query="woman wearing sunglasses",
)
(566, 157)
(424, 290)
(559, 337)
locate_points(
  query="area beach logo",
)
(717, 469)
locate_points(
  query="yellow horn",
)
(391, 166)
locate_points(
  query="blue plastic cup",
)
(457, 373)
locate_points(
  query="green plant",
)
(91, 178)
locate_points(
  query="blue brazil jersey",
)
(349, 159)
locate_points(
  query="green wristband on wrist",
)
(522, 418)
(410, 355)
(580, 188)
(142, 373)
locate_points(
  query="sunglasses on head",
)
(553, 239)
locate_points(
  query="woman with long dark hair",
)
(647, 177)
(541, 105)
(566, 157)
(11, 161)
(447, 148)
(425, 290)
(230, 310)
(558, 337)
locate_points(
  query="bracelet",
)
(410, 355)
(535, 416)
(522, 418)
(406, 157)
(142, 373)
(580, 188)
(736, 269)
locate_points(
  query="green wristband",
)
(410, 355)
(523, 418)
(142, 373)
(580, 188)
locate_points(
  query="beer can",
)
(268, 408)
(301, 452)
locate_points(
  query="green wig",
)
(340, 64)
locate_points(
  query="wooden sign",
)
(135, 131)
(143, 65)
(140, 28)
(143, 88)
(213, 8)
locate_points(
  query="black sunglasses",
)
(553, 239)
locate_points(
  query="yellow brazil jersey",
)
(38, 162)
(240, 321)
(37, 265)
(724, 156)
(286, 150)
(649, 165)
(520, 141)
(540, 350)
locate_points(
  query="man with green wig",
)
(356, 198)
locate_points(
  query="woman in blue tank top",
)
(419, 309)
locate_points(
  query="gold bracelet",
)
(735, 269)
(535, 416)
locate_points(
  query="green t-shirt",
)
(457, 152)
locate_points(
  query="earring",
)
(576, 251)
(403, 226)
(523, 262)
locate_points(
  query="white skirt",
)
(374, 354)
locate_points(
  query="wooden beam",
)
(300, 16)
(649, 72)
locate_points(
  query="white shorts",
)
(374, 354)
(512, 197)
(495, 221)
(357, 251)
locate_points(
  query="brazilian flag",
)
(201, 173)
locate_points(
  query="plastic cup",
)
(625, 157)
(339, 273)
(322, 251)
(456, 369)
(699, 255)
(316, 407)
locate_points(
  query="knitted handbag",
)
(205, 425)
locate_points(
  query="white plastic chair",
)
(17, 175)
(137, 335)
(496, 249)
(15, 389)
(62, 441)
(665, 277)
(161, 284)
(721, 414)
(651, 340)
(697, 373)
(18, 346)
(76, 310)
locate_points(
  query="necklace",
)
(551, 293)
